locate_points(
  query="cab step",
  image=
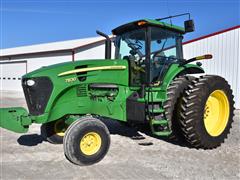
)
(160, 127)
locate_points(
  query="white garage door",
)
(10, 75)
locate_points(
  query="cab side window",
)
(163, 52)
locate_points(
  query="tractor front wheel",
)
(86, 141)
(207, 112)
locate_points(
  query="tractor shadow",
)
(123, 129)
(30, 140)
(119, 128)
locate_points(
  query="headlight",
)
(30, 82)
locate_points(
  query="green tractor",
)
(146, 84)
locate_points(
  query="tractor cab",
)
(150, 47)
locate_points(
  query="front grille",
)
(37, 96)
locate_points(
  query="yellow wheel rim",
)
(59, 128)
(90, 143)
(216, 113)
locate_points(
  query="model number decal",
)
(70, 80)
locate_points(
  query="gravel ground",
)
(29, 157)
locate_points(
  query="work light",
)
(30, 82)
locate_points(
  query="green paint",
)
(15, 119)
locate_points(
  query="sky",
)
(27, 22)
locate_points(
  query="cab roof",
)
(145, 22)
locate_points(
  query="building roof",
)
(212, 34)
(60, 46)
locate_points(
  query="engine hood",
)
(97, 70)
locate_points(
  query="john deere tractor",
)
(148, 83)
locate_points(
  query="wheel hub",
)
(216, 113)
(90, 143)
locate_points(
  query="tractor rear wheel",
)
(174, 94)
(54, 131)
(86, 141)
(207, 112)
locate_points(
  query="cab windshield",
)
(131, 45)
(164, 46)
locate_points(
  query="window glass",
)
(131, 45)
(163, 51)
(163, 43)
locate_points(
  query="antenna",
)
(170, 17)
(168, 9)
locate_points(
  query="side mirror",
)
(189, 25)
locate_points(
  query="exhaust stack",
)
(108, 44)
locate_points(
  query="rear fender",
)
(15, 119)
(174, 71)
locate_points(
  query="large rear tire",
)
(207, 112)
(86, 141)
(172, 104)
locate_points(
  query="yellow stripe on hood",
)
(92, 69)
